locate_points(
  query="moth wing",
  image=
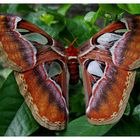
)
(45, 90)
(107, 60)
(107, 88)
(41, 74)
(121, 39)
(21, 43)
(126, 51)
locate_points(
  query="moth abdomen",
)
(73, 67)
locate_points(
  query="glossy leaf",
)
(127, 110)
(81, 31)
(3, 75)
(96, 16)
(5, 72)
(10, 101)
(63, 9)
(23, 124)
(81, 127)
(16, 8)
(136, 114)
(125, 128)
(130, 8)
(4, 8)
(14, 115)
(1, 80)
(48, 19)
(76, 101)
(111, 8)
(89, 16)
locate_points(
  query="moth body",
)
(73, 65)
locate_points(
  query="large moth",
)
(43, 69)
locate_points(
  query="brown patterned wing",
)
(41, 73)
(107, 88)
(20, 43)
(45, 91)
(126, 51)
(106, 61)
(121, 39)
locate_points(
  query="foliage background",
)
(66, 21)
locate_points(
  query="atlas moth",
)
(43, 69)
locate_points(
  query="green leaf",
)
(52, 29)
(19, 8)
(96, 16)
(3, 75)
(5, 72)
(15, 118)
(63, 9)
(78, 28)
(136, 114)
(56, 29)
(48, 19)
(99, 16)
(125, 127)
(23, 123)
(130, 8)
(89, 16)
(54, 12)
(25, 8)
(81, 127)
(10, 101)
(127, 109)
(12, 8)
(76, 100)
(4, 8)
(1, 80)
(111, 8)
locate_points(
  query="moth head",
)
(71, 51)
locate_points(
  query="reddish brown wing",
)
(46, 94)
(41, 73)
(126, 51)
(107, 86)
(16, 50)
